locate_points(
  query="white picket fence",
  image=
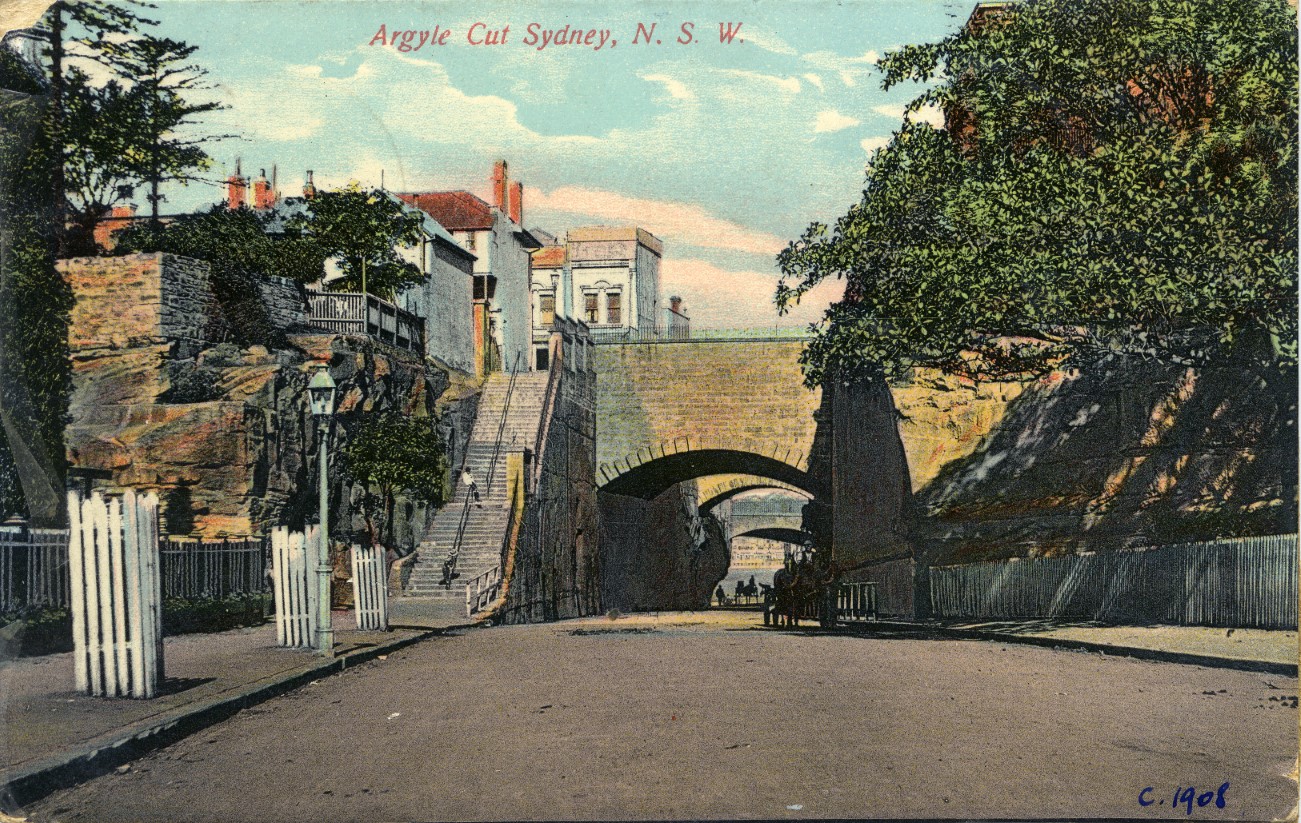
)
(293, 566)
(117, 631)
(370, 587)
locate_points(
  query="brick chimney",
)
(309, 188)
(675, 303)
(499, 185)
(517, 203)
(264, 196)
(236, 189)
(119, 218)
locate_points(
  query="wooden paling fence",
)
(116, 596)
(293, 569)
(370, 587)
(1248, 582)
(213, 568)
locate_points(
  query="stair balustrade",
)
(454, 555)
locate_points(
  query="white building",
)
(607, 277)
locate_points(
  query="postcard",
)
(671, 410)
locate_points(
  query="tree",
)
(99, 145)
(98, 31)
(35, 371)
(129, 130)
(395, 454)
(1125, 180)
(363, 229)
(161, 78)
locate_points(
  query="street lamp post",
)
(321, 393)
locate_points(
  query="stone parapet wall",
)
(751, 392)
(285, 301)
(139, 299)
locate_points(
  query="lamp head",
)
(321, 393)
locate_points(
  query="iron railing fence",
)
(34, 567)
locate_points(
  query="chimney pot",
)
(499, 185)
(264, 197)
(517, 203)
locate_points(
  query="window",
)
(547, 308)
(471, 240)
(590, 311)
(543, 360)
(613, 313)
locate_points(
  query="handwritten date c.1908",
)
(1183, 798)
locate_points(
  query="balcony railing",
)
(351, 313)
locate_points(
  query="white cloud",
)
(831, 120)
(790, 85)
(672, 222)
(726, 298)
(871, 144)
(814, 80)
(926, 114)
(767, 41)
(849, 69)
(676, 88)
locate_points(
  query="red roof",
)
(549, 257)
(454, 210)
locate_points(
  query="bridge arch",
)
(652, 470)
(711, 495)
(781, 534)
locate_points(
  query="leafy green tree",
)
(98, 149)
(98, 31)
(362, 229)
(391, 454)
(1119, 176)
(35, 372)
(162, 78)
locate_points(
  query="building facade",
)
(442, 303)
(494, 234)
(607, 277)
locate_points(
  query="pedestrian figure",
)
(740, 590)
(782, 595)
(721, 595)
(472, 487)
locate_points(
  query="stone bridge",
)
(669, 412)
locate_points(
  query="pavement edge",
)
(1137, 652)
(62, 771)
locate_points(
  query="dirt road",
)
(701, 716)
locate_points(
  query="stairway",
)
(486, 523)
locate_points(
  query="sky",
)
(725, 151)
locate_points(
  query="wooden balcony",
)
(352, 313)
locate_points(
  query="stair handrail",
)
(501, 427)
(454, 554)
(544, 424)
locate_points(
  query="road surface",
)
(704, 716)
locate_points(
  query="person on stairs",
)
(472, 488)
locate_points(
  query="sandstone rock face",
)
(224, 435)
(1119, 454)
(660, 553)
(1116, 455)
